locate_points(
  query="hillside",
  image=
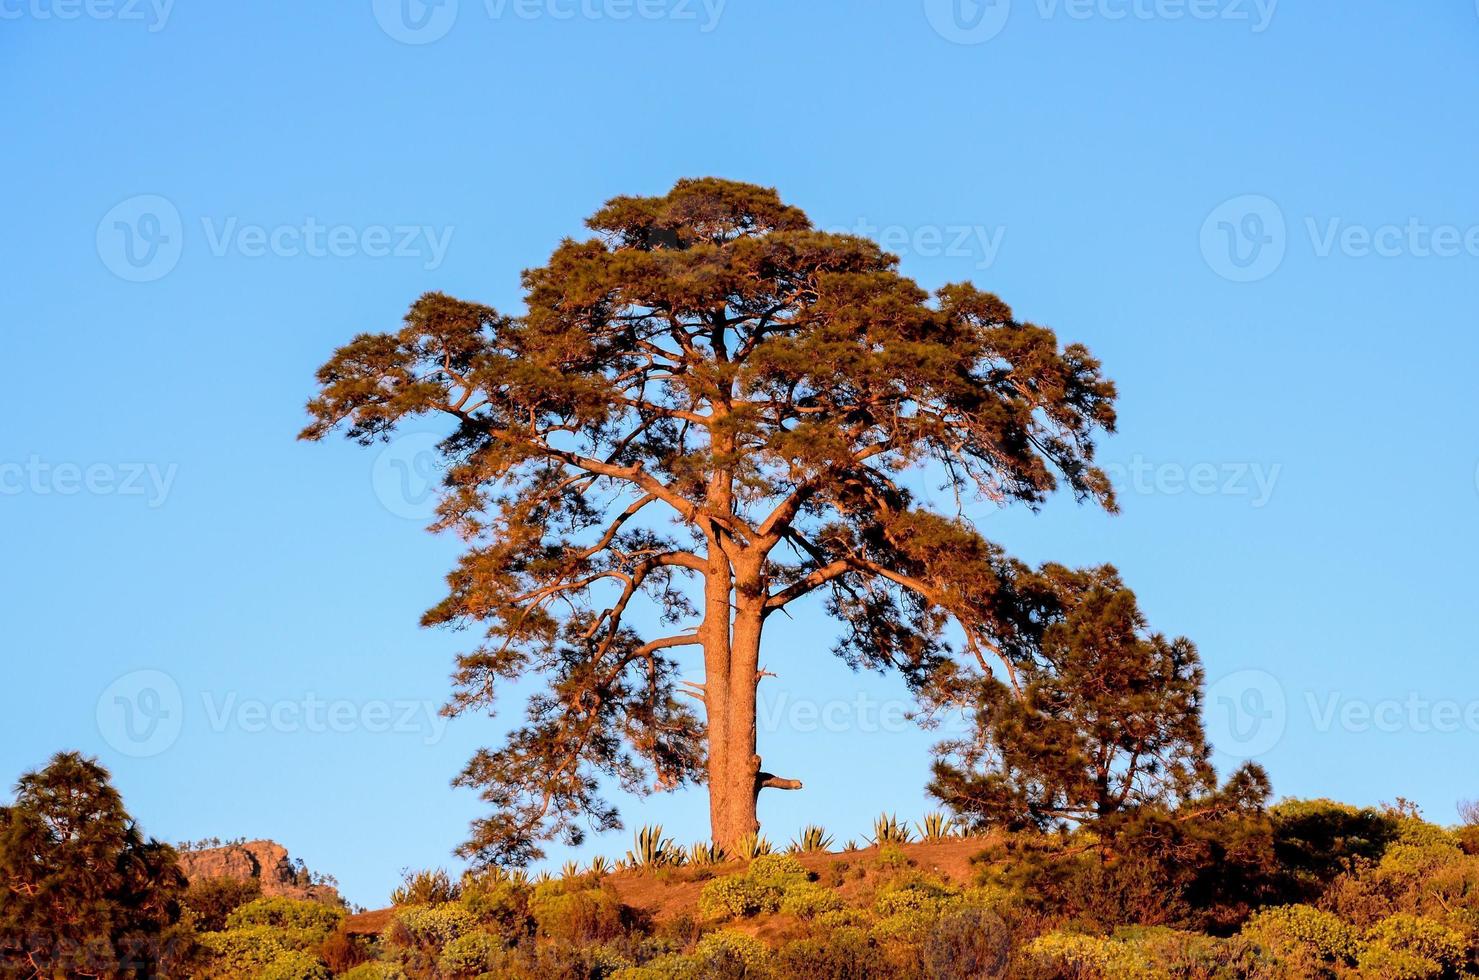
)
(673, 894)
(1302, 889)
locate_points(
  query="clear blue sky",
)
(1298, 463)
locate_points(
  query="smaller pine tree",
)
(82, 892)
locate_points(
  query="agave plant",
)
(705, 853)
(851, 845)
(889, 829)
(813, 840)
(600, 867)
(543, 878)
(936, 827)
(425, 888)
(569, 870)
(751, 846)
(652, 850)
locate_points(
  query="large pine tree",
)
(710, 405)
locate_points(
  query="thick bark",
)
(735, 776)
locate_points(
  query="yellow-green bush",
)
(838, 953)
(286, 913)
(499, 902)
(1304, 938)
(1075, 955)
(732, 897)
(429, 927)
(1403, 946)
(844, 918)
(577, 915)
(762, 888)
(470, 954)
(375, 971)
(777, 871)
(727, 943)
(809, 900)
(294, 966)
(241, 952)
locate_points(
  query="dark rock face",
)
(265, 860)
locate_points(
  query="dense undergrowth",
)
(1301, 889)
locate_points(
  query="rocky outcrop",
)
(265, 860)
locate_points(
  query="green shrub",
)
(777, 871)
(808, 900)
(907, 927)
(1385, 963)
(892, 858)
(1315, 840)
(502, 904)
(733, 897)
(841, 954)
(1093, 956)
(375, 971)
(1412, 946)
(578, 916)
(727, 945)
(470, 954)
(242, 952)
(294, 966)
(844, 918)
(762, 888)
(429, 927)
(967, 944)
(211, 900)
(1304, 935)
(669, 967)
(286, 913)
(916, 893)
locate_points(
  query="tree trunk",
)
(731, 812)
(736, 780)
